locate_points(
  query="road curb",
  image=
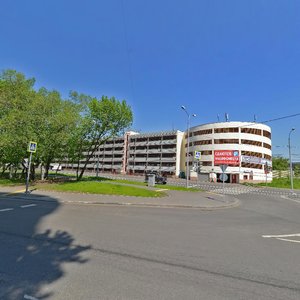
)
(232, 204)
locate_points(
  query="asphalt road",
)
(51, 250)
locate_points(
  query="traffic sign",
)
(223, 167)
(32, 147)
(223, 177)
(197, 155)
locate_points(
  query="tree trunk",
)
(32, 172)
(42, 172)
(10, 172)
(47, 167)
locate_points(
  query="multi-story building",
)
(136, 153)
(154, 152)
(244, 147)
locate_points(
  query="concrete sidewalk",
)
(179, 199)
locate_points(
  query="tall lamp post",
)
(290, 156)
(187, 159)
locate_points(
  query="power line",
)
(281, 118)
(271, 120)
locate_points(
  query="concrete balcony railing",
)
(169, 142)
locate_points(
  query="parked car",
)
(159, 179)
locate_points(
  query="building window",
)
(226, 130)
(269, 157)
(203, 142)
(206, 152)
(226, 141)
(249, 142)
(251, 131)
(202, 132)
(267, 134)
(206, 163)
(250, 153)
(169, 137)
(252, 166)
(267, 146)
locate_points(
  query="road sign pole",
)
(28, 173)
(223, 177)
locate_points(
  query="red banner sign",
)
(226, 157)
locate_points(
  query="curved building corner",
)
(245, 148)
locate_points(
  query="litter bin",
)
(151, 179)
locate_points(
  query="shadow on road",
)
(31, 260)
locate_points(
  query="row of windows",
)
(251, 131)
(226, 130)
(231, 141)
(226, 141)
(253, 143)
(202, 132)
(252, 166)
(164, 164)
(153, 139)
(250, 153)
(231, 130)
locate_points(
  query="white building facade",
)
(245, 147)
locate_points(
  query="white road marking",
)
(6, 209)
(28, 205)
(281, 236)
(287, 198)
(30, 297)
(287, 240)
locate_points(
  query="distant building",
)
(244, 147)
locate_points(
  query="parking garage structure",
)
(249, 145)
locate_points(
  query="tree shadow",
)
(30, 260)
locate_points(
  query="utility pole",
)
(291, 164)
(188, 146)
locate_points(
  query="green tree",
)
(16, 96)
(297, 169)
(29, 115)
(54, 121)
(280, 163)
(101, 119)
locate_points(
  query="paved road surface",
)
(51, 250)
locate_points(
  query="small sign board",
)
(197, 155)
(228, 157)
(32, 147)
(223, 167)
(224, 177)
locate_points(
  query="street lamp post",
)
(188, 145)
(290, 157)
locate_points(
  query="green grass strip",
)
(100, 188)
(141, 183)
(11, 182)
(280, 183)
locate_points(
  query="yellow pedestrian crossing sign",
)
(32, 147)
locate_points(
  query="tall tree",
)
(102, 119)
(53, 121)
(16, 96)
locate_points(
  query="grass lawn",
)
(142, 183)
(281, 183)
(96, 187)
(11, 182)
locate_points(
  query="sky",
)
(212, 56)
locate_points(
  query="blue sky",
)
(213, 56)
